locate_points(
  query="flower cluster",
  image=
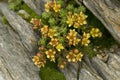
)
(72, 37)
(51, 54)
(64, 34)
(76, 20)
(85, 39)
(52, 6)
(95, 32)
(39, 60)
(74, 56)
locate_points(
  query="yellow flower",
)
(71, 57)
(44, 30)
(51, 33)
(35, 59)
(54, 42)
(72, 35)
(70, 21)
(76, 25)
(51, 54)
(72, 38)
(75, 16)
(82, 18)
(36, 22)
(47, 7)
(74, 56)
(76, 20)
(59, 47)
(56, 7)
(95, 32)
(79, 56)
(39, 61)
(86, 35)
(76, 41)
(85, 41)
(62, 64)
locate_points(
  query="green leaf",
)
(42, 41)
(61, 2)
(46, 15)
(63, 13)
(70, 7)
(88, 50)
(82, 8)
(52, 21)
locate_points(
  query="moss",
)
(15, 4)
(30, 11)
(4, 20)
(48, 73)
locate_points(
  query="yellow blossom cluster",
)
(64, 33)
(48, 32)
(72, 37)
(95, 32)
(51, 54)
(39, 60)
(85, 39)
(74, 56)
(52, 5)
(76, 20)
(36, 22)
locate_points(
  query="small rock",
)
(24, 14)
(103, 57)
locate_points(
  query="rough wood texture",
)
(16, 48)
(108, 12)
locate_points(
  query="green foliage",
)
(48, 73)
(88, 50)
(15, 4)
(29, 11)
(46, 15)
(104, 41)
(42, 41)
(52, 21)
(70, 7)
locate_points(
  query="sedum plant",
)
(64, 33)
